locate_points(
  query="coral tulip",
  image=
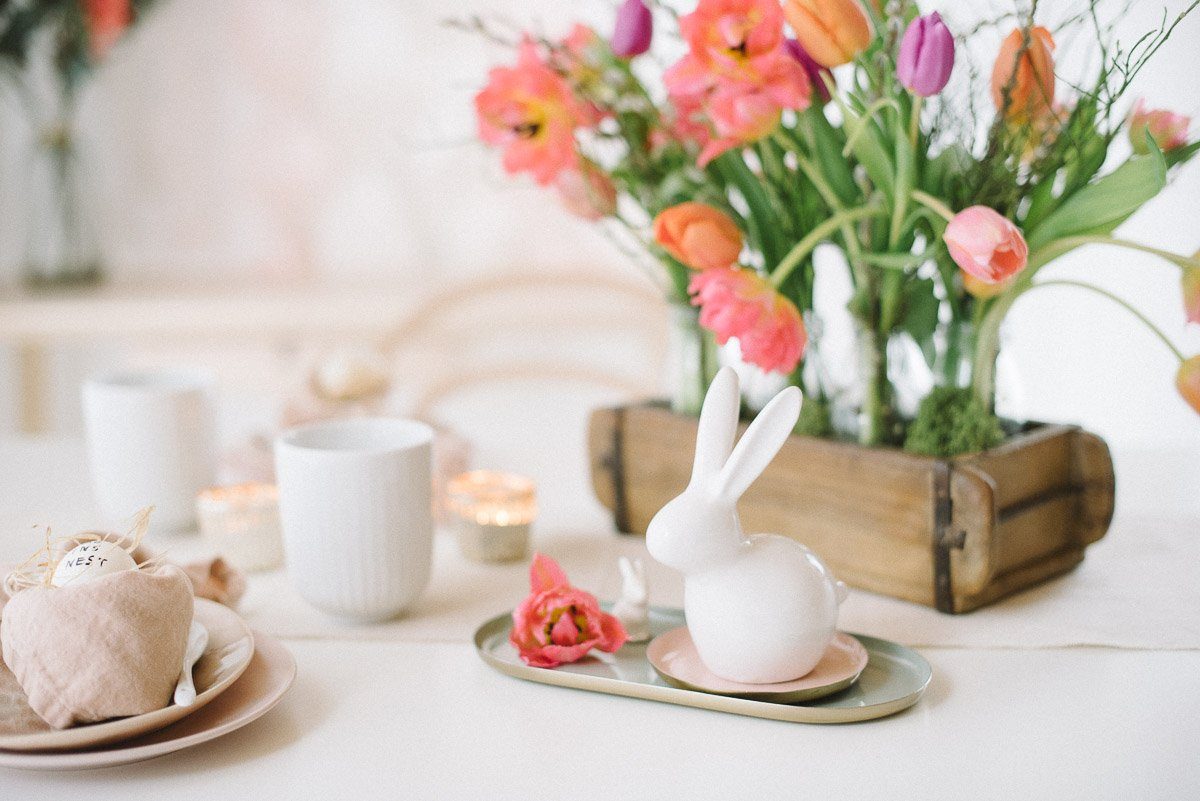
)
(741, 303)
(698, 235)
(1023, 81)
(634, 29)
(530, 111)
(1187, 381)
(558, 623)
(106, 21)
(1168, 129)
(926, 56)
(737, 43)
(587, 192)
(986, 245)
(833, 32)
(1191, 294)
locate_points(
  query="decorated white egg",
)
(91, 560)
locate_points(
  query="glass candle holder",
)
(491, 513)
(241, 523)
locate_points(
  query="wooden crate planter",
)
(954, 534)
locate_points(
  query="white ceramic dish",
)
(230, 648)
(255, 693)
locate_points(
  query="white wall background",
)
(238, 138)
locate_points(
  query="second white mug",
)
(355, 503)
(151, 442)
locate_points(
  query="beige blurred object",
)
(492, 514)
(241, 523)
(216, 580)
(347, 383)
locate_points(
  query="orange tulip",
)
(1026, 77)
(699, 235)
(1187, 381)
(833, 32)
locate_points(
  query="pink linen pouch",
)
(107, 648)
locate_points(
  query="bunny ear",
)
(759, 444)
(718, 425)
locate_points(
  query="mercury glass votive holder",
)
(241, 523)
(491, 513)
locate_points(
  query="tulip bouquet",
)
(785, 126)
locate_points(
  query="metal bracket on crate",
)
(945, 538)
(614, 461)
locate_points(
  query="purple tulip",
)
(926, 56)
(634, 29)
(812, 69)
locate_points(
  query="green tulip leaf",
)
(1104, 204)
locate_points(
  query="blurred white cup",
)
(355, 503)
(151, 442)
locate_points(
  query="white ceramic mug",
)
(151, 442)
(355, 503)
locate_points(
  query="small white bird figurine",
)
(633, 610)
(760, 609)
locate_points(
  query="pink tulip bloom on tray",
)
(741, 303)
(926, 56)
(985, 244)
(558, 623)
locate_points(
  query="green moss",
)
(950, 421)
(814, 419)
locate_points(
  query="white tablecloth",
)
(405, 710)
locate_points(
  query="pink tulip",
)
(558, 623)
(634, 29)
(986, 245)
(926, 56)
(738, 118)
(740, 303)
(1191, 294)
(1168, 129)
(587, 192)
(530, 112)
(815, 72)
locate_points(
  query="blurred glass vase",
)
(62, 247)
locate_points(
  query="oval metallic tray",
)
(894, 679)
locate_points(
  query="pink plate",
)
(255, 693)
(674, 657)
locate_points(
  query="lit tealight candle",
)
(492, 513)
(241, 523)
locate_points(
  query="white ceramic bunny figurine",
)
(633, 610)
(760, 609)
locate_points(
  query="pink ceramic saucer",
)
(674, 657)
(255, 693)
